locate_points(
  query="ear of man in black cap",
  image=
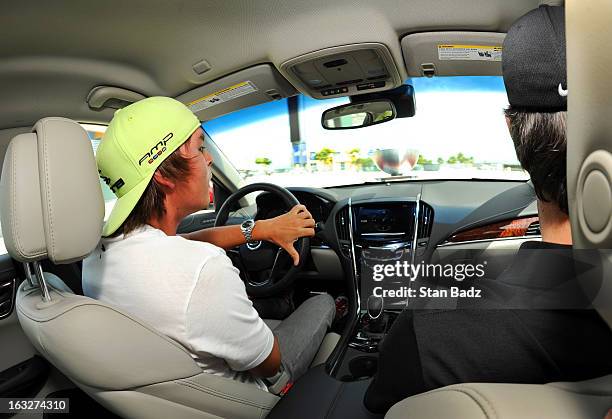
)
(489, 342)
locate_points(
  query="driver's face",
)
(195, 188)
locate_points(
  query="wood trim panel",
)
(510, 228)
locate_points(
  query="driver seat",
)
(120, 361)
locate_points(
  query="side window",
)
(95, 133)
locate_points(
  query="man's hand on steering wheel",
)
(285, 229)
(263, 265)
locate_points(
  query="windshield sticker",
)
(469, 53)
(222, 96)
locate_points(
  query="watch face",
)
(247, 224)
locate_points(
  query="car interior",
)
(68, 66)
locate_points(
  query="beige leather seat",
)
(589, 177)
(52, 207)
(586, 399)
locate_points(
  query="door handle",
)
(7, 297)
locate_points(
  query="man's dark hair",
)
(540, 141)
(151, 203)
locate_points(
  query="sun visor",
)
(248, 87)
(453, 53)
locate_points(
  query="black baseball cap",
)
(533, 61)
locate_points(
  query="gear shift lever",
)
(376, 315)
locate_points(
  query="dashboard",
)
(429, 219)
(423, 219)
(363, 227)
(447, 221)
(450, 212)
(270, 205)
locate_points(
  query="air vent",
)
(533, 229)
(425, 221)
(343, 225)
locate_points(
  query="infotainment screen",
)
(385, 219)
(384, 236)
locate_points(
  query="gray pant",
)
(300, 335)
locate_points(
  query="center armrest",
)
(318, 395)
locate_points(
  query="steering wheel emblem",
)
(254, 245)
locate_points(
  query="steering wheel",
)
(262, 262)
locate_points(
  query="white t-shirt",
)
(187, 290)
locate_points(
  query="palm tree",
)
(325, 155)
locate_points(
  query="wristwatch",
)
(247, 227)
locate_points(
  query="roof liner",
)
(150, 47)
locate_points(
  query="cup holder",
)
(363, 367)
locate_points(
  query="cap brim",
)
(124, 206)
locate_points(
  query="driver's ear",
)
(163, 181)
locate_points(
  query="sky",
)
(454, 114)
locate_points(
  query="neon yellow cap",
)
(138, 139)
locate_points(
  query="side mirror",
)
(358, 115)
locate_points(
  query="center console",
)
(369, 234)
(376, 233)
(371, 330)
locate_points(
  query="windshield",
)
(458, 132)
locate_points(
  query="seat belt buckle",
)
(286, 388)
(279, 383)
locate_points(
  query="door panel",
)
(21, 372)
(16, 347)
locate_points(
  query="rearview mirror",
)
(358, 115)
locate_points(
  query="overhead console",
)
(453, 53)
(343, 71)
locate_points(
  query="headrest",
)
(21, 211)
(52, 204)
